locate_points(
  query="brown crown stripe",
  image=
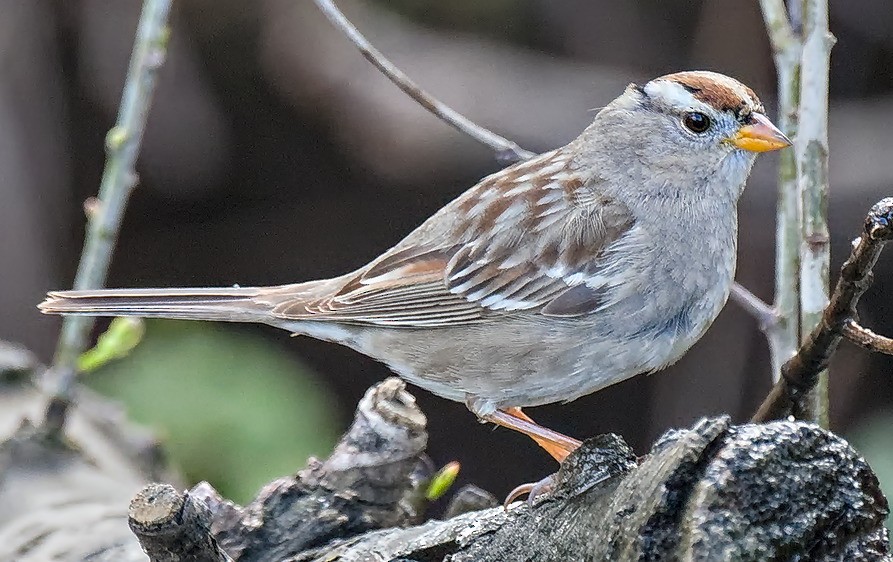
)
(713, 93)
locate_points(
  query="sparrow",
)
(551, 279)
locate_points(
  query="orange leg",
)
(557, 445)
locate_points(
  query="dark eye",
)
(696, 122)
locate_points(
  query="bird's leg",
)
(556, 444)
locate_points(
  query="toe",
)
(532, 490)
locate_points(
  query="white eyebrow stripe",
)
(674, 95)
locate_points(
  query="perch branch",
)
(800, 374)
(506, 150)
(118, 179)
(811, 152)
(365, 501)
(702, 471)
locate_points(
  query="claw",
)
(517, 492)
(532, 489)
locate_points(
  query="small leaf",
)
(116, 342)
(442, 481)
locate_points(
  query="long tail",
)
(234, 304)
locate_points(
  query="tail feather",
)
(232, 304)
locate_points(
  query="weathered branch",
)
(66, 499)
(118, 179)
(506, 150)
(800, 374)
(173, 528)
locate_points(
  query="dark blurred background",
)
(275, 153)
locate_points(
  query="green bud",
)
(442, 481)
(116, 342)
(115, 138)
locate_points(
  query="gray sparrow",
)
(551, 279)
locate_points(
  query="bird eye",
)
(696, 122)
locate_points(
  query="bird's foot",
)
(558, 445)
(533, 490)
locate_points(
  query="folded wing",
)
(532, 237)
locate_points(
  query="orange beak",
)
(760, 136)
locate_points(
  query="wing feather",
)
(496, 249)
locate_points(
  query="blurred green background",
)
(229, 406)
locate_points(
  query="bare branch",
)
(506, 150)
(786, 49)
(800, 374)
(781, 33)
(118, 179)
(811, 151)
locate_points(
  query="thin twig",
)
(755, 306)
(767, 317)
(795, 12)
(118, 179)
(506, 150)
(864, 337)
(811, 151)
(783, 339)
(800, 374)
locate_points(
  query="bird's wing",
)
(532, 237)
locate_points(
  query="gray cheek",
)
(737, 166)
